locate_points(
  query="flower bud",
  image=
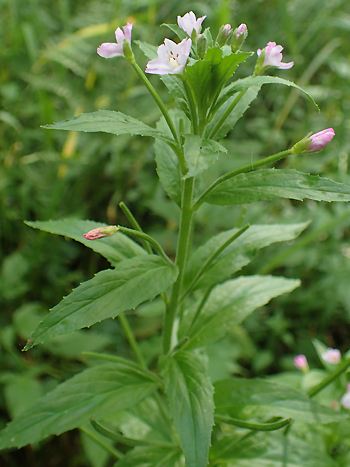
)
(314, 142)
(331, 356)
(239, 36)
(225, 34)
(202, 45)
(101, 232)
(301, 363)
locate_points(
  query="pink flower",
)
(172, 58)
(300, 362)
(190, 23)
(332, 356)
(319, 140)
(101, 232)
(116, 49)
(241, 30)
(273, 56)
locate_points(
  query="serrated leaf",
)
(231, 302)
(201, 153)
(238, 253)
(251, 399)
(115, 248)
(268, 184)
(106, 295)
(93, 392)
(107, 121)
(190, 395)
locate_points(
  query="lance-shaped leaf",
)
(93, 392)
(106, 295)
(253, 399)
(259, 81)
(200, 154)
(114, 248)
(268, 184)
(231, 302)
(107, 121)
(190, 395)
(238, 253)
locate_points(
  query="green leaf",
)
(259, 81)
(273, 450)
(106, 295)
(21, 391)
(237, 113)
(208, 76)
(200, 154)
(93, 392)
(107, 121)
(268, 184)
(238, 253)
(115, 248)
(253, 399)
(176, 30)
(190, 395)
(151, 456)
(231, 302)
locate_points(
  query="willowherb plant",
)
(183, 417)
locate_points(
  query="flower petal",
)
(110, 50)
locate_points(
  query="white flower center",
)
(173, 59)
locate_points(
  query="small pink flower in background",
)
(101, 232)
(172, 58)
(319, 140)
(345, 400)
(332, 356)
(300, 362)
(273, 56)
(241, 30)
(115, 49)
(190, 23)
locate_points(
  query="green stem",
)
(212, 258)
(270, 426)
(144, 237)
(164, 111)
(181, 259)
(330, 378)
(114, 452)
(198, 311)
(131, 339)
(246, 168)
(225, 115)
(128, 214)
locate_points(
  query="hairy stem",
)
(330, 378)
(246, 168)
(181, 259)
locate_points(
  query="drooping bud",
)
(224, 35)
(301, 363)
(101, 232)
(314, 142)
(239, 36)
(332, 356)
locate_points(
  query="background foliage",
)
(50, 71)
